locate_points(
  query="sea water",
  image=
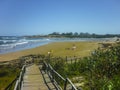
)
(15, 43)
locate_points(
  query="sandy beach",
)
(57, 49)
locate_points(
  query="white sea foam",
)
(48, 39)
(21, 43)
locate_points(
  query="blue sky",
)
(31, 17)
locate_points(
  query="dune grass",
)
(7, 75)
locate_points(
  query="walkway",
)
(33, 79)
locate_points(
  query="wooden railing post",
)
(53, 76)
(65, 84)
(66, 59)
(71, 60)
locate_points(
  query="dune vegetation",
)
(7, 74)
(100, 71)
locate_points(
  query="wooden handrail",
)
(16, 85)
(56, 72)
(73, 86)
(66, 81)
(20, 79)
(58, 75)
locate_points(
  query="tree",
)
(55, 33)
(75, 34)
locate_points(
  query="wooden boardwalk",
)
(36, 79)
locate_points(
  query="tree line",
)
(75, 35)
(83, 35)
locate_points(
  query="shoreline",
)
(58, 49)
(23, 44)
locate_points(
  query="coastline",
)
(58, 49)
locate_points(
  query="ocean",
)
(14, 43)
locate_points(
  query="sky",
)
(39, 17)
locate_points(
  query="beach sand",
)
(56, 49)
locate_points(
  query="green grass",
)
(7, 75)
